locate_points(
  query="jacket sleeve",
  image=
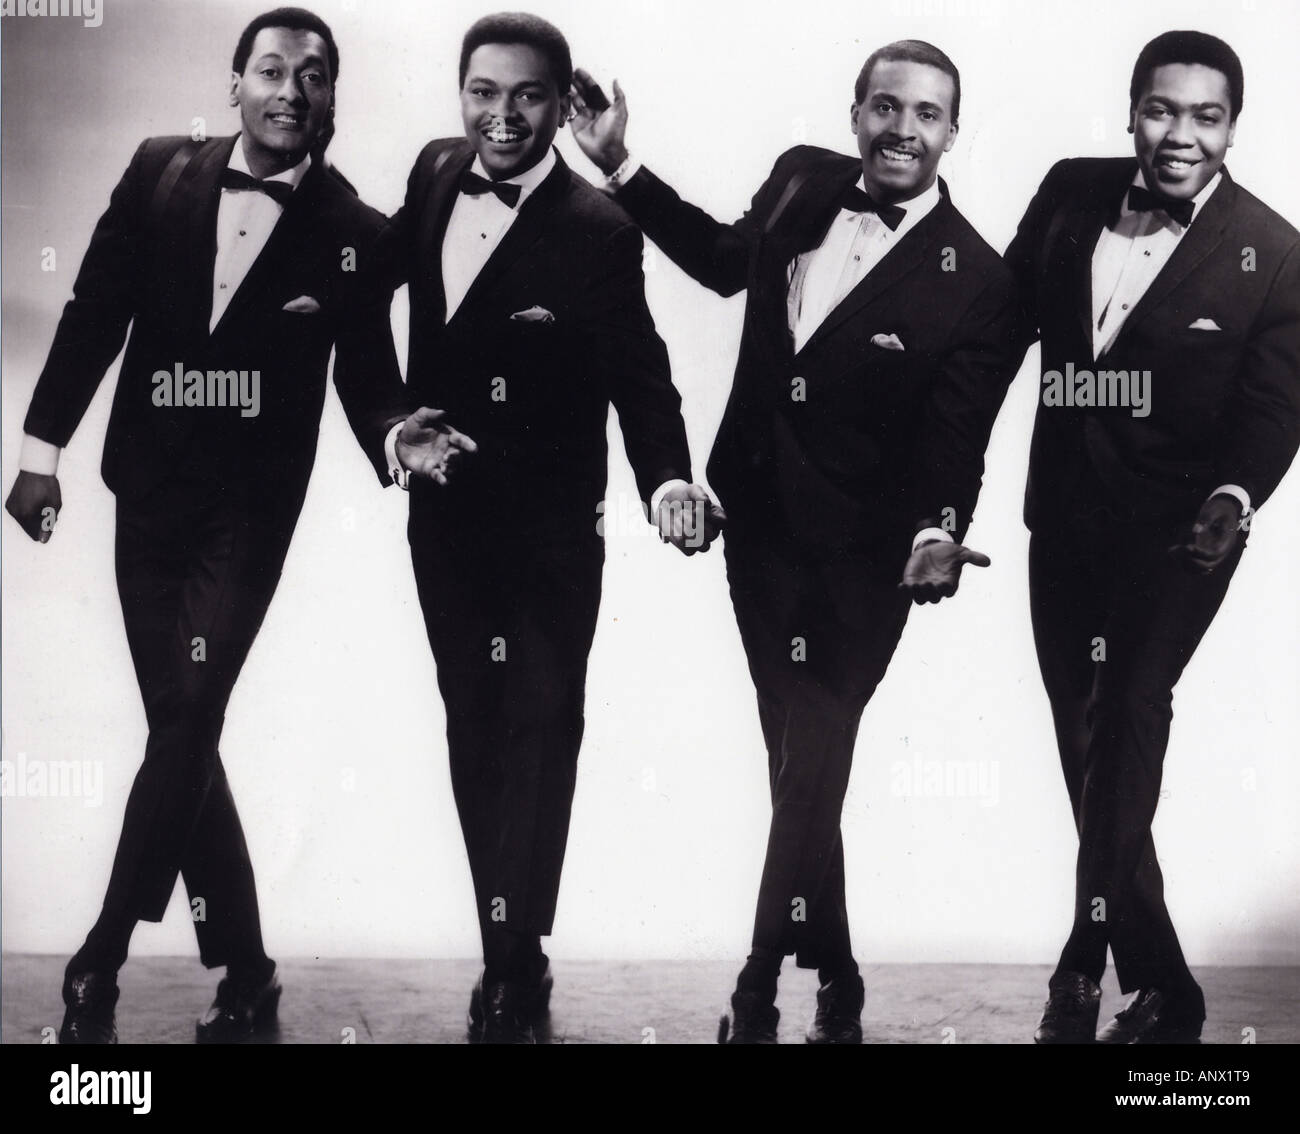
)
(710, 252)
(1026, 248)
(397, 245)
(1262, 431)
(968, 390)
(366, 371)
(95, 320)
(634, 362)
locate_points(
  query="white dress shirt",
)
(1128, 257)
(475, 229)
(854, 244)
(245, 220)
(1130, 253)
(820, 280)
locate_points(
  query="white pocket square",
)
(303, 305)
(533, 315)
(1204, 325)
(887, 342)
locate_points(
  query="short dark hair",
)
(295, 19)
(1188, 47)
(521, 27)
(909, 51)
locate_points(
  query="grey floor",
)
(405, 1001)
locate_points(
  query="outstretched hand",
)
(428, 447)
(934, 569)
(599, 133)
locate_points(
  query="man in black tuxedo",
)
(241, 262)
(1141, 487)
(528, 320)
(879, 339)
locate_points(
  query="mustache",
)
(897, 144)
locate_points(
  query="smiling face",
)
(904, 126)
(1182, 128)
(284, 98)
(511, 107)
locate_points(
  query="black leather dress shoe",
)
(1070, 1015)
(1153, 1017)
(242, 1010)
(752, 1019)
(91, 999)
(839, 1012)
(506, 1015)
(535, 1002)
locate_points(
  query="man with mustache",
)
(878, 343)
(1161, 266)
(235, 256)
(528, 321)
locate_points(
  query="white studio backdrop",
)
(958, 832)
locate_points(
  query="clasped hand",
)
(689, 519)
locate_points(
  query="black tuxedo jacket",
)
(156, 274)
(886, 441)
(1225, 402)
(534, 393)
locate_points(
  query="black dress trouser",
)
(196, 572)
(510, 616)
(818, 632)
(1116, 619)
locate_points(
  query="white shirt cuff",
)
(1235, 490)
(659, 494)
(623, 174)
(401, 477)
(37, 456)
(925, 535)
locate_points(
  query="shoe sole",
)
(64, 1041)
(854, 1040)
(1159, 1039)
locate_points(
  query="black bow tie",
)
(474, 185)
(1142, 200)
(856, 201)
(278, 191)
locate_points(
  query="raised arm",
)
(710, 252)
